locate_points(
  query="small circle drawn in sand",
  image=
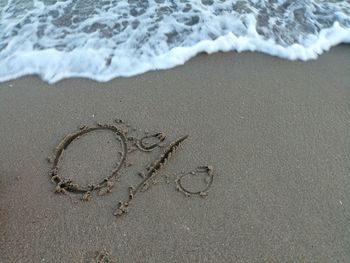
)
(201, 169)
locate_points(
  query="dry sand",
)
(277, 133)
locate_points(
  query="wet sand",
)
(276, 132)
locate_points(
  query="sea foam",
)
(108, 39)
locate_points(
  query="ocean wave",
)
(108, 39)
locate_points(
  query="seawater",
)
(105, 39)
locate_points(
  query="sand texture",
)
(268, 142)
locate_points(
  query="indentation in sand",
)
(130, 141)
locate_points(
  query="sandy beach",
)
(276, 132)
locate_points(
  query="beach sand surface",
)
(276, 132)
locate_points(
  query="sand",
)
(276, 132)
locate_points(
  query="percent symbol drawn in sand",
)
(129, 143)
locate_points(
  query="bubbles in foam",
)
(105, 39)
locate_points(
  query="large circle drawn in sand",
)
(69, 185)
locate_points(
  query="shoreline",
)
(275, 131)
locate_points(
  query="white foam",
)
(88, 55)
